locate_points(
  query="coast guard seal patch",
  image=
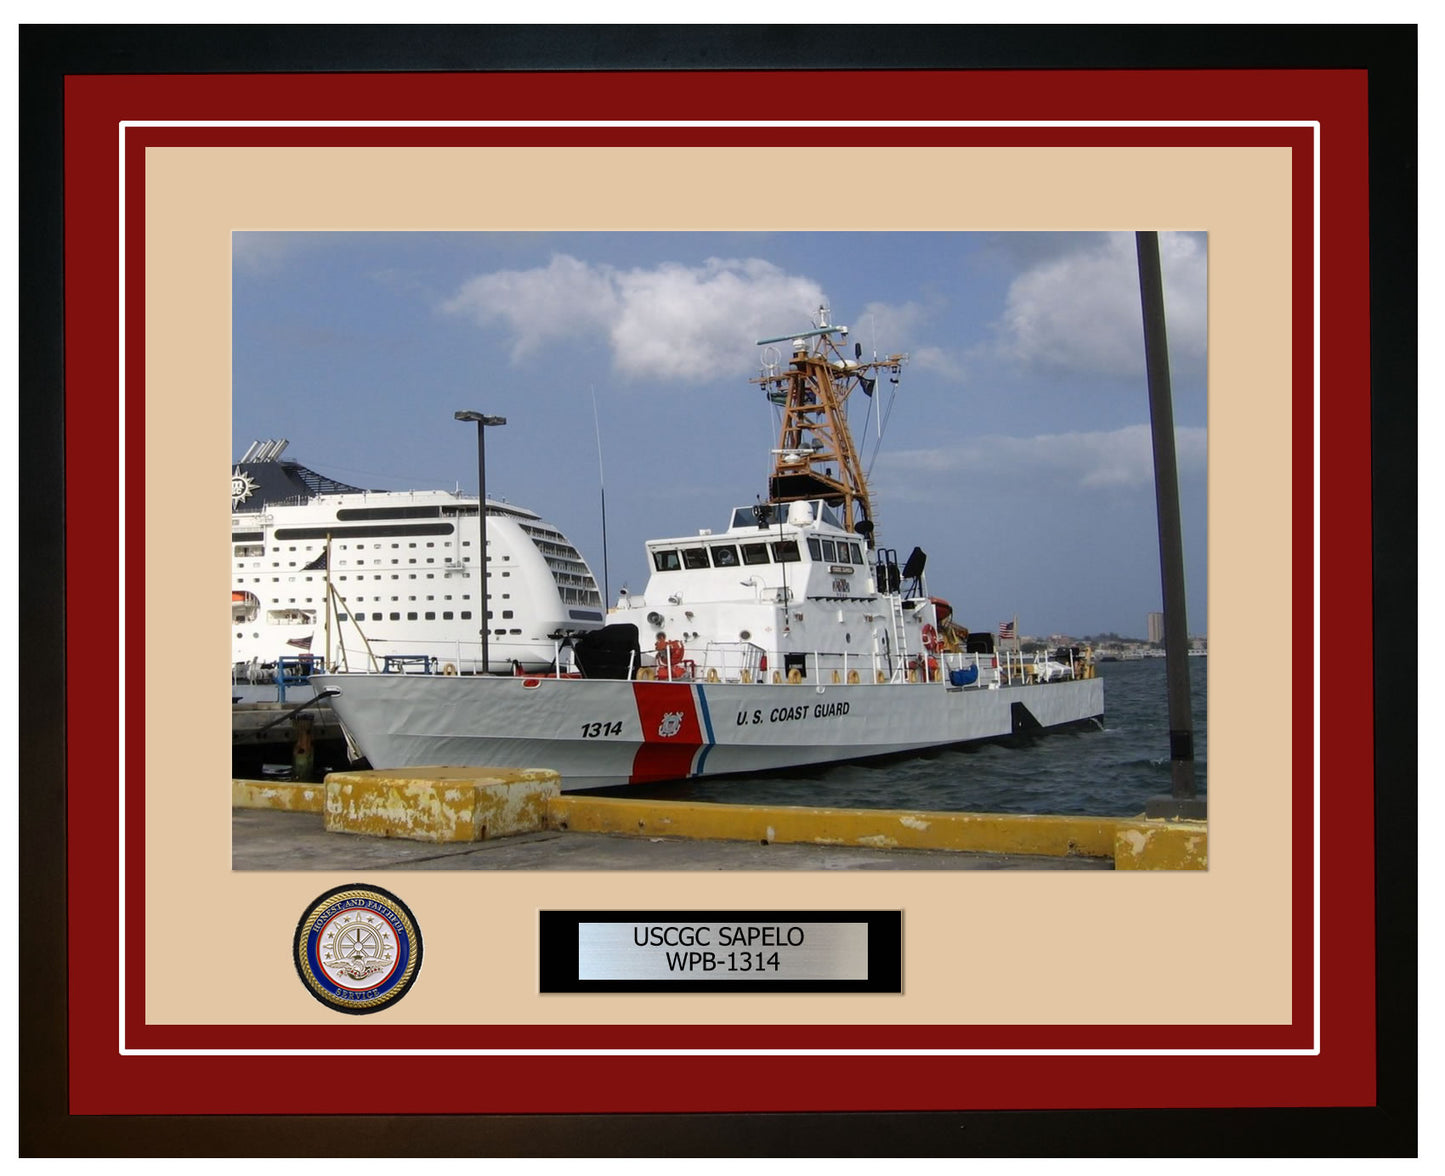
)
(357, 949)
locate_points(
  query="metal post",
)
(482, 422)
(1182, 801)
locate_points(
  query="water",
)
(1086, 772)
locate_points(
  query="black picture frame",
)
(49, 53)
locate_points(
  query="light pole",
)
(482, 422)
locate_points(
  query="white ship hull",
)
(600, 733)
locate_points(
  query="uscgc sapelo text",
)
(684, 935)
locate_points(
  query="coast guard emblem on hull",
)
(671, 724)
(242, 487)
(357, 949)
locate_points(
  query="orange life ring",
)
(930, 638)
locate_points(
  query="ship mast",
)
(816, 457)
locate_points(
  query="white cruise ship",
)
(403, 576)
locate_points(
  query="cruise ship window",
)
(694, 557)
(507, 614)
(431, 616)
(411, 616)
(446, 616)
(516, 630)
(376, 616)
(466, 616)
(396, 616)
(755, 553)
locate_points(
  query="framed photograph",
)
(225, 217)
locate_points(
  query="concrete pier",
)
(508, 819)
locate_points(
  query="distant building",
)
(1156, 628)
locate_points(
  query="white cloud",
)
(893, 328)
(1080, 312)
(266, 252)
(1118, 459)
(672, 322)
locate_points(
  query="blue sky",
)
(1016, 451)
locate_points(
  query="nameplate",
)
(721, 951)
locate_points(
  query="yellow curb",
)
(440, 804)
(282, 795)
(1133, 843)
(1161, 845)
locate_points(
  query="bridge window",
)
(725, 555)
(695, 557)
(665, 561)
(755, 553)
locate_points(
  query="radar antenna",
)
(816, 457)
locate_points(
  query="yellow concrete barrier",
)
(1133, 843)
(1161, 845)
(282, 795)
(440, 804)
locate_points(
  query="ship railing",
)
(721, 661)
(408, 663)
(1016, 668)
(297, 671)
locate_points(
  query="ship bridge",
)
(805, 551)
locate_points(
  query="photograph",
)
(852, 520)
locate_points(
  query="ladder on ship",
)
(889, 580)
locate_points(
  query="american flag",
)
(1005, 629)
(301, 642)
